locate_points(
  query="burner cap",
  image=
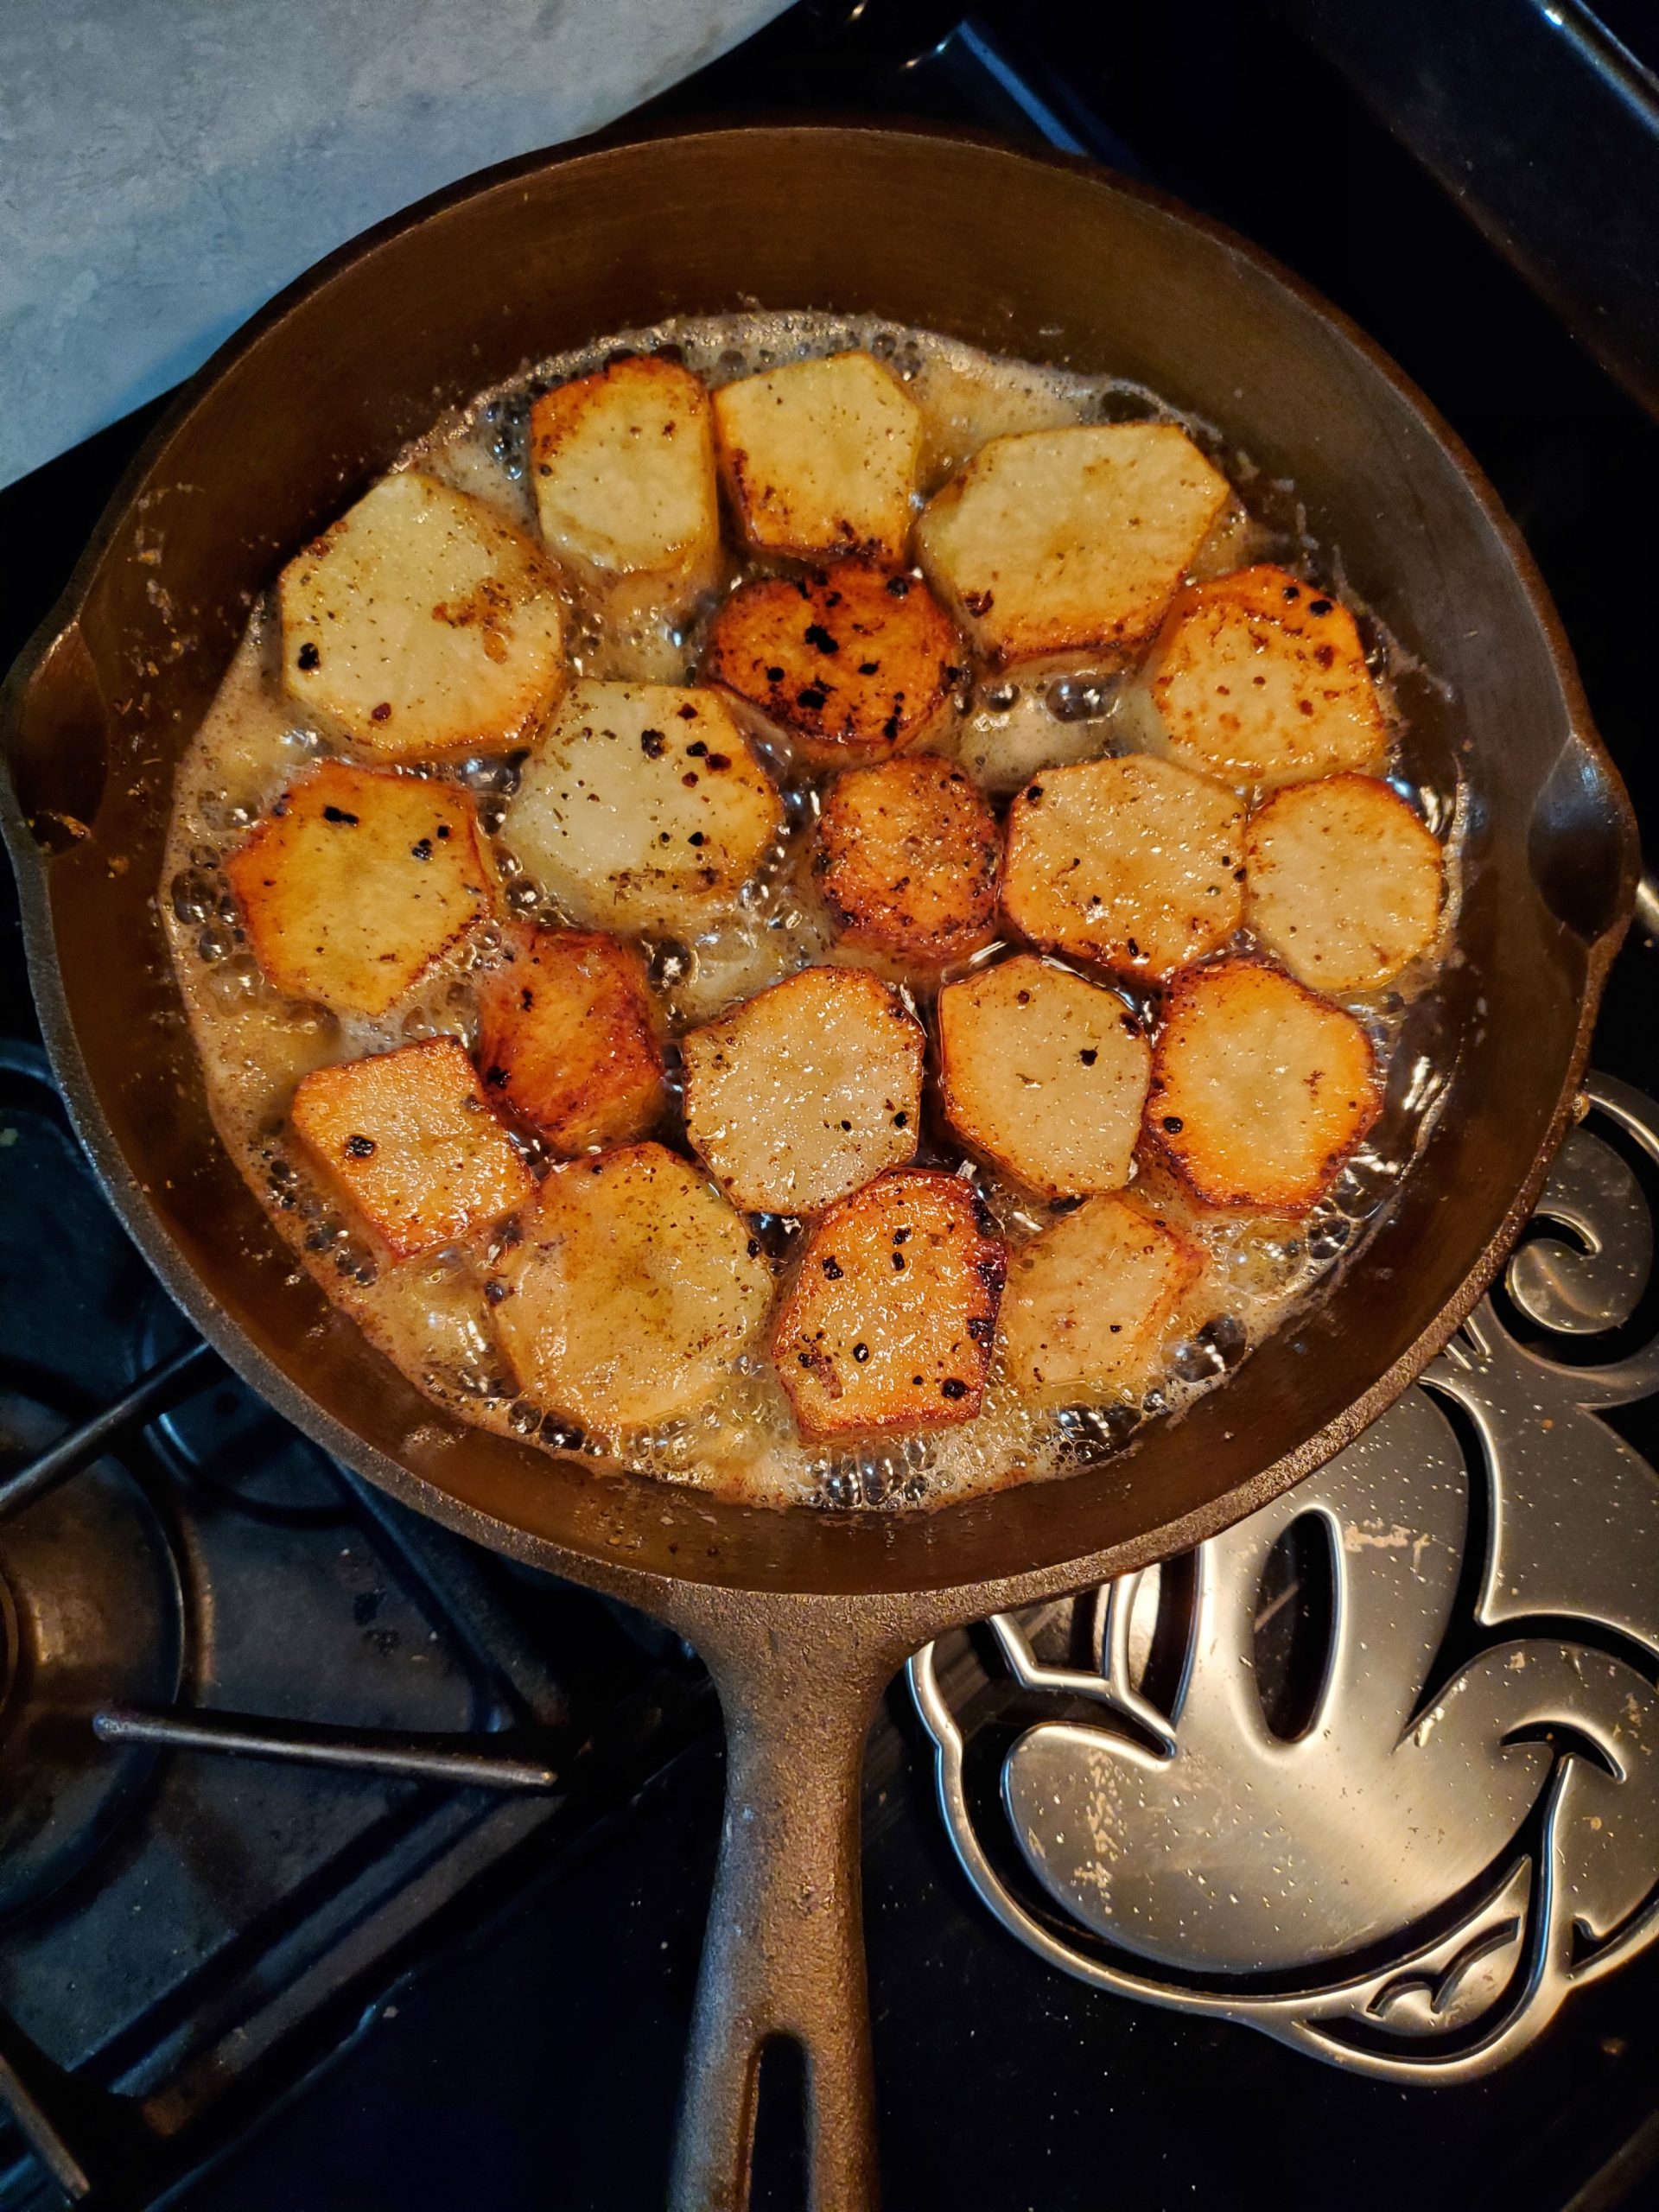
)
(91, 1613)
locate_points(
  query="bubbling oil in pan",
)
(430, 1314)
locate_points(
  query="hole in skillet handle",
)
(55, 733)
(779, 2178)
(1581, 845)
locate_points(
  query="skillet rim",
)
(929, 1604)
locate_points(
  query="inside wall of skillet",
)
(1021, 256)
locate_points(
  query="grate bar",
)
(451, 1759)
(42, 2138)
(164, 1385)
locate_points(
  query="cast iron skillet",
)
(802, 1618)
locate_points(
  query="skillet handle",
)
(784, 1953)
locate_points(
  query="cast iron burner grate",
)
(179, 1570)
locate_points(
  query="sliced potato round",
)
(1132, 863)
(1344, 882)
(1045, 1074)
(891, 1321)
(643, 807)
(1088, 1302)
(820, 456)
(805, 1091)
(567, 1034)
(408, 1137)
(906, 859)
(851, 663)
(1056, 540)
(356, 881)
(1260, 678)
(1260, 1089)
(623, 467)
(632, 1290)
(422, 623)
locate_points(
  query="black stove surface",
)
(432, 1996)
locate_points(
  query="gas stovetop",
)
(436, 1944)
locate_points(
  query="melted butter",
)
(431, 1315)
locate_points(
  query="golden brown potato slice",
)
(422, 623)
(356, 881)
(408, 1138)
(1088, 1302)
(852, 664)
(820, 457)
(805, 1091)
(906, 859)
(1344, 882)
(1072, 539)
(633, 1289)
(643, 807)
(623, 468)
(1045, 1074)
(1260, 1089)
(1261, 679)
(567, 1035)
(891, 1317)
(1132, 863)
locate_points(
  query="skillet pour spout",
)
(803, 1616)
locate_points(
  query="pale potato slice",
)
(906, 860)
(356, 881)
(408, 1138)
(891, 1321)
(821, 456)
(1088, 1303)
(1045, 1074)
(1260, 1089)
(1132, 862)
(852, 664)
(623, 468)
(643, 808)
(1069, 540)
(567, 1035)
(805, 1091)
(631, 1291)
(1261, 679)
(422, 623)
(1344, 882)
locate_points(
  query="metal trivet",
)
(1373, 1772)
